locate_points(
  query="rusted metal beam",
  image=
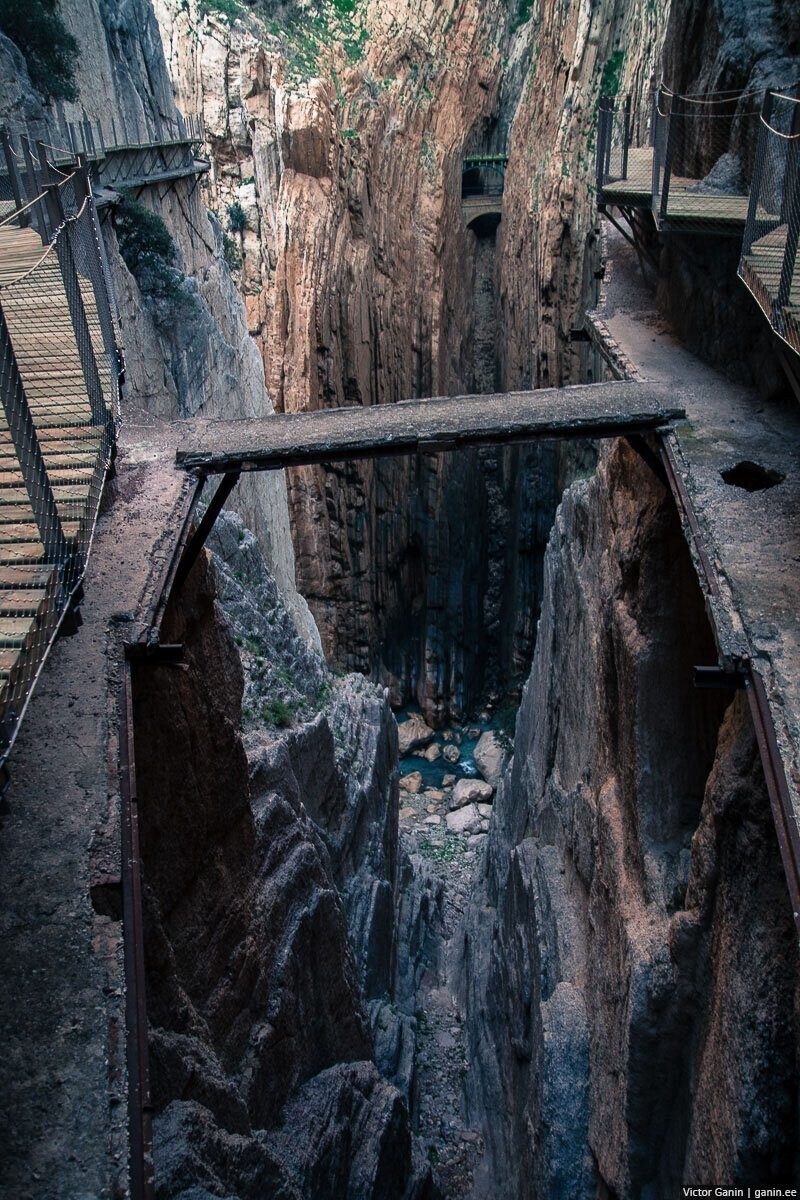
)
(198, 538)
(783, 813)
(138, 1057)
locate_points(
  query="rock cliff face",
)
(548, 252)
(359, 278)
(633, 952)
(271, 870)
(190, 352)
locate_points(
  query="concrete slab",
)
(440, 423)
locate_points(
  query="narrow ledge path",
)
(752, 537)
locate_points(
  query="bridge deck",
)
(761, 271)
(686, 208)
(442, 423)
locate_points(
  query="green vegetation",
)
(149, 252)
(609, 80)
(237, 217)
(309, 33)
(523, 15)
(50, 51)
(447, 852)
(225, 8)
(231, 252)
(277, 712)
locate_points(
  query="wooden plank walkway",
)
(442, 423)
(687, 208)
(37, 314)
(761, 271)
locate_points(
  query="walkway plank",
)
(443, 423)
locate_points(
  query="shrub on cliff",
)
(50, 51)
(150, 255)
(237, 217)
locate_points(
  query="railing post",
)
(675, 110)
(29, 453)
(33, 188)
(601, 150)
(102, 274)
(13, 175)
(88, 137)
(758, 172)
(626, 137)
(77, 311)
(790, 215)
(609, 134)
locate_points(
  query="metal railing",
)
(483, 175)
(613, 141)
(115, 157)
(769, 262)
(61, 370)
(703, 149)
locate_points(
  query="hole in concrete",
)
(752, 477)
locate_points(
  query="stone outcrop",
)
(272, 879)
(491, 757)
(611, 970)
(191, 351)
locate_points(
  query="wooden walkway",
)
(761, 271)
(37, 315)
(688, 209)
(442, 423)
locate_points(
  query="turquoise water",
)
(433, 773)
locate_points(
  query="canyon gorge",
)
(581, 979)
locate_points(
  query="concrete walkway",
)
(63, 1089)
(753, 538)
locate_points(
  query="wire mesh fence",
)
(116, 158)
(703, 153)
(60, 371)
(769, 263)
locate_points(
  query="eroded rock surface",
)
(609, 978)
(272, 878)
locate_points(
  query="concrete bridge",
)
(598, 410)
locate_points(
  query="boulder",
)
(490, 757)
(434, 794)
(411, 783)
(413, 733)
(448, 780)
(465, 820)
(471, 791)
(451, 753)
(433, 752)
